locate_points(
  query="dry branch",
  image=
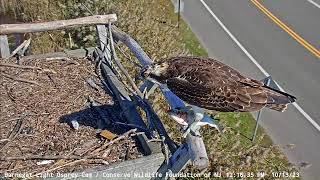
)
(22, 47)
(19, 66)
(126, 134)
(13, 134)
(27, 67)
(116, 60)
(23, 116)
(56, 25)
(19, 79)
(58, 167)
(36, 157)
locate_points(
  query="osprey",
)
(210, 84)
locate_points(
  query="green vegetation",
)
(190, 40)
(152, 24)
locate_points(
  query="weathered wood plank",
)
(56, 25)
(103, 40)
(138, 169)
(4, 47)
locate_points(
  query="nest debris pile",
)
(38, 97)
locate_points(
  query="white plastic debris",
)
(44, 162)
(75, 125)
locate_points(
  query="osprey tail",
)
(278, 100)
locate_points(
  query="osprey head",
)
(156, 70)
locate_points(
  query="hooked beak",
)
(145, 71)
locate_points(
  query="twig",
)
(67, 59)
(58, 167)
(123, 52)
(116, 60)
(23, 116)
(19, 66)
(60, 161)
(54, 42)
(59, 58)
(92, 14)
(4, 140)
(14, 119)
(16, 130)
(124, 135)
(19, 79)
(70, 40)
(26, 67)
(13, 169)
(92, 83)
(36, 157)
(9, 93)
(23, 46)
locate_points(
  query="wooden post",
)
(4, 47)
(197, 152)
(56, 25)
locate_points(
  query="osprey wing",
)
(217, 87)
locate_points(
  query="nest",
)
(38, 100)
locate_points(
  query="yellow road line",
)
(293, 34)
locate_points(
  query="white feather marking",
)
(182, 78)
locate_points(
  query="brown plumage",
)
(212, 85)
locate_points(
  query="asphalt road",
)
(293, 66)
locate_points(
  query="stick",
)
(4, 140)
(20, 66)
(58, 167)
(27, 67)
(116, 60)
(23, 116)
(19, 79)
(14, 119)
(37, 157)
(59, 58)
(126, 134)
(60, 161)
(56, 25)
(23, 45)
(16, 130)
(67, 59)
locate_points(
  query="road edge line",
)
(314, 3)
